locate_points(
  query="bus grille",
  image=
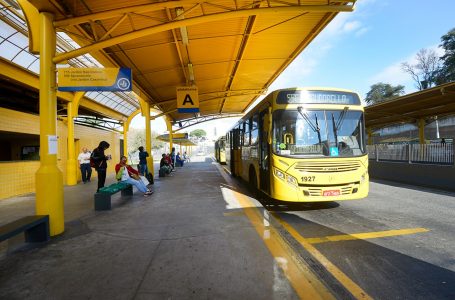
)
(317, 192)
(327, 167)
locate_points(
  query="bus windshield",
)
(332, 133)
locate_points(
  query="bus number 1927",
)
(308, 178)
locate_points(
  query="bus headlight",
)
(363, 177)
(279, 173)
(291, 180)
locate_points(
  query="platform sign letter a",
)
(187, 99)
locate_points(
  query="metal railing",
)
(441, 154)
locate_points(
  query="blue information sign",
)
(95, 79)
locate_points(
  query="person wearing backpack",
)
(99, 161)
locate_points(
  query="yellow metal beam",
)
(126, 128)
(71, 165)
(169, 128)
(189, 22)
(139, 9)
(33, 23)
(421, 124)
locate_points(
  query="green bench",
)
(35, 229)
(103, 196)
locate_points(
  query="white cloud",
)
(391, 74)
(394, 75)
(303, 66)
(350, 26)
(362, 31)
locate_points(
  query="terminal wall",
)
(435, 176)
(17, 177)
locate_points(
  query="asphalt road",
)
(406, 246)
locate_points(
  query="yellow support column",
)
(71, 163)
(370, 136)
(421, 131)
(126, 127)
(148, 138)
(49, 178)
(169, 128)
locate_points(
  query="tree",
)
(136, 138)
(446, 73)
(198, 133)
(423, 72)
(383, 91)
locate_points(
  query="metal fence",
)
(413, 153)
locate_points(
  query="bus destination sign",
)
(317, 97)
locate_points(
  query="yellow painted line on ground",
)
(303, 280)
(365, 235)
(234, 214)
(350, 285)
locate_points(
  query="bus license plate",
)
(331, 193)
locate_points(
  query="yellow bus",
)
(302, 145)
(220, 150)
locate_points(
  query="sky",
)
(361, 48)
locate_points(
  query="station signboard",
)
(94, 79)
(187, 99)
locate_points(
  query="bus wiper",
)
(315, 128)
(335, 130)
(341, 118)
(338, 123)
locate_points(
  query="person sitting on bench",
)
(164, 165)
(127, 174)
(179, 160)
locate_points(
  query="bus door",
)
(235, 158)
(264, 152)
(234, 139)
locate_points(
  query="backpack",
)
(92, 160)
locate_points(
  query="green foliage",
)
(383, 91)
(447, 71)
(136, 138)
(198, 133)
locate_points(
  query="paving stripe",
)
(303, 280)
(365, 235)
(350, 285)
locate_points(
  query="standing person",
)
(84, 165)
(143, 170)
(100, 162)
(127, 174)
(173, 157)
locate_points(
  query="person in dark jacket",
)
(143, 170)
(100, 160)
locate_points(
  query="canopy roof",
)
(179, 139)
(232, 50)
(437, 101)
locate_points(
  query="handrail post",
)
(409, 153)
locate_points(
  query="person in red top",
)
(126, 173)
(169, 161)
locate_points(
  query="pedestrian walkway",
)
(186, 241)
